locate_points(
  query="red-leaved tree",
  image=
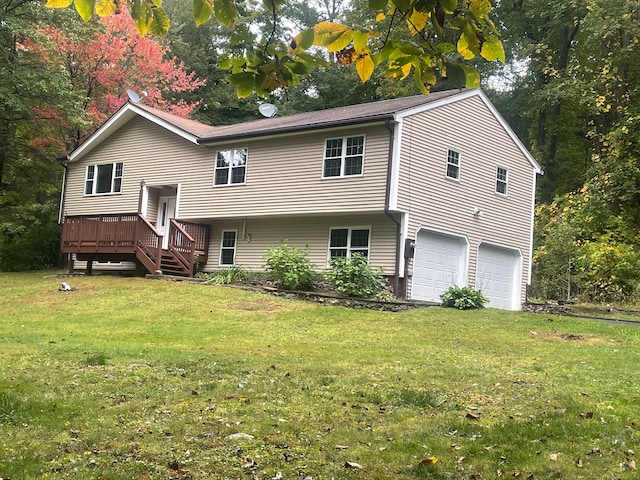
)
(102, 66)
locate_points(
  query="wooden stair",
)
(171, 265)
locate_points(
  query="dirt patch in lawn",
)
(570, 337)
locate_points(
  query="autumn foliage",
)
(101, 67)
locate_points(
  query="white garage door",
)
(498, 276)
(440, 261)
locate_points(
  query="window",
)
(344, 242)
(228, 247)
(343, 157)
(453, 164)
(501, 181)
(231, 167)
(103, 179)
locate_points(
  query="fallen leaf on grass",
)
(628, 465)
(240, 436)
(429, 460)
(342, 447)
(472, 416)
(553, 456)
(352, 465)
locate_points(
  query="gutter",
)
(387, 198)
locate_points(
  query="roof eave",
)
(296, 128)
(126, 113)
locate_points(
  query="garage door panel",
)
(499, 275)
(439, 262)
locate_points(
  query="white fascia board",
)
(117, 120)
(476, 93)
(395, 166)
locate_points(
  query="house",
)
(436, 190)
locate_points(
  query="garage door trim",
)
(517, 272)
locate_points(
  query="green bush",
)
(354, 276)
(463, 298)
(289, 266)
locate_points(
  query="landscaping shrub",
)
(289, 266)
(227, 276)
(463, 298)
(354, 276)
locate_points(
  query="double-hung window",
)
(231, 167)
(453, 164)
(344, 242)
(103, 179)
(501, 181)
(228, 247)
(343, 157)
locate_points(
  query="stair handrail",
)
(146, 225)
(178, 248)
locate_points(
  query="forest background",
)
(569, 88)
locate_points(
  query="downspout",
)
(62, 160)
(387, 199)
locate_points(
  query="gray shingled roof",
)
(350, 115)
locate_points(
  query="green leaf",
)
(245, 83)
(402, 5)
(377, 5)
(425, 5)
(456, 75)
(225, 12)
(160, 22)
(105, 8)
(472, 77)
(360, 41)
(445, 47)
(449, 5)
(84, 8)
(202, 10)
(141, 14)
(59, 3)
(480, 8)
(492, 49)
(303, 40)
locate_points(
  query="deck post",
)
(89, 269)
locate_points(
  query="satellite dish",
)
(133, 96)
(268, 110)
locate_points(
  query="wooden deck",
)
(131, 235)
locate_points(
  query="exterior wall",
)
(261, 233)
(433, 201)
(283, 175)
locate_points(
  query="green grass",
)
(126, 378)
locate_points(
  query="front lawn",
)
(126, 378)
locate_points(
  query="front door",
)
(166, 211)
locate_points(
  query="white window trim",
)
(348, 247)
(505, 181)
(343, 155)
(446, 169)
(215, 168)
(95, 179)
(235, 247)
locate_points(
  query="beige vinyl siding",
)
(434, 201)
(261, 233)
(148, 152)
(283, 176)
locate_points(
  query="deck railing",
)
(132, 233)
